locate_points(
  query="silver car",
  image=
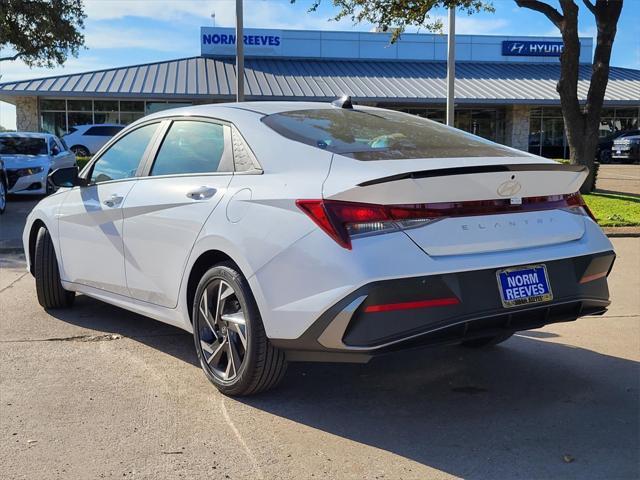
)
(29, 158)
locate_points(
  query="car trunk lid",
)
(477, 194)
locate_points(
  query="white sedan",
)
(279, 231)
(29, 157)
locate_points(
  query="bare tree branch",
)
(12, 57)
(550, 12)
(590, 6)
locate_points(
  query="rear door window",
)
(121, 160)
(191, 147)
(381, 135)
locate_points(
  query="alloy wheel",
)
(222, 330)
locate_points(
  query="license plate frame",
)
(514, 298)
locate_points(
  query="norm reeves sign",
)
(222, 41)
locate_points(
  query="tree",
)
(41, 32)
(581, 121)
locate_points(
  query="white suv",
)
(85, 140)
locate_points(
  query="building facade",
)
(505, 86)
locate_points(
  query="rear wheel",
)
(231, 343)
(486, 341)
(48, 284)
(80, 151)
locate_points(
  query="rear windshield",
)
(381, 135)
(15, 145)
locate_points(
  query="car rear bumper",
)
(361, 325)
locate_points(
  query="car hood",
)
(20, 161)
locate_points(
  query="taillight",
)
(343, 221)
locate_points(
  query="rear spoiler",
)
(447, 172)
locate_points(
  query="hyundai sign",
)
(531, 48)
(222, 41)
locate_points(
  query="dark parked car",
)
(626, 149)
(603, 152)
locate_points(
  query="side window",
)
(190, 147)
(122, 158)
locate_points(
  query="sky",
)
(127, 32)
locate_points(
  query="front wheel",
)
(231, 343)
(48, 284)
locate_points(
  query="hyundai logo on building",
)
(531, 49)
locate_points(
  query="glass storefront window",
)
(53, 105)
(106, 117)
(105, 105)
(54, 122)
(129, 117)
(129, 106)
(80, 105)
(79, 118)
(546, 128)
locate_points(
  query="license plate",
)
(524, 285)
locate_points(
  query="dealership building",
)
(505, 86)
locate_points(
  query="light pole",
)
(239, 53)
(451, 66)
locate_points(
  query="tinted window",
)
(381, 135)
(190, 147)
(105, 131)
(122, 158)
(16, 145)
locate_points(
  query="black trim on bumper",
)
(480, 312)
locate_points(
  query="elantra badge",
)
(509, 188)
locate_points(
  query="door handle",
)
(202, 193)
(113, 201)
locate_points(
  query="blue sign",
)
(531, 48)
(230, 39)
(222, 41)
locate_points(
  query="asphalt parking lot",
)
(97, 392)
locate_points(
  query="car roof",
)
(27, 134)
(216, 110)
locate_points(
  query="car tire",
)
(483, 342)
(3, 197)
(80, 151)
(605, 156)
(48, 284)
(227, 328)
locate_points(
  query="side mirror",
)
(55, 150)
(66, 177)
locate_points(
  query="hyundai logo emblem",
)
(509, 188)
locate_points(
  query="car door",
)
(91, 217)
(166, 209)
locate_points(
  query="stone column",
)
(27, 114)
(516, 126)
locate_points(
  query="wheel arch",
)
(33, 236)
(205, 261)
